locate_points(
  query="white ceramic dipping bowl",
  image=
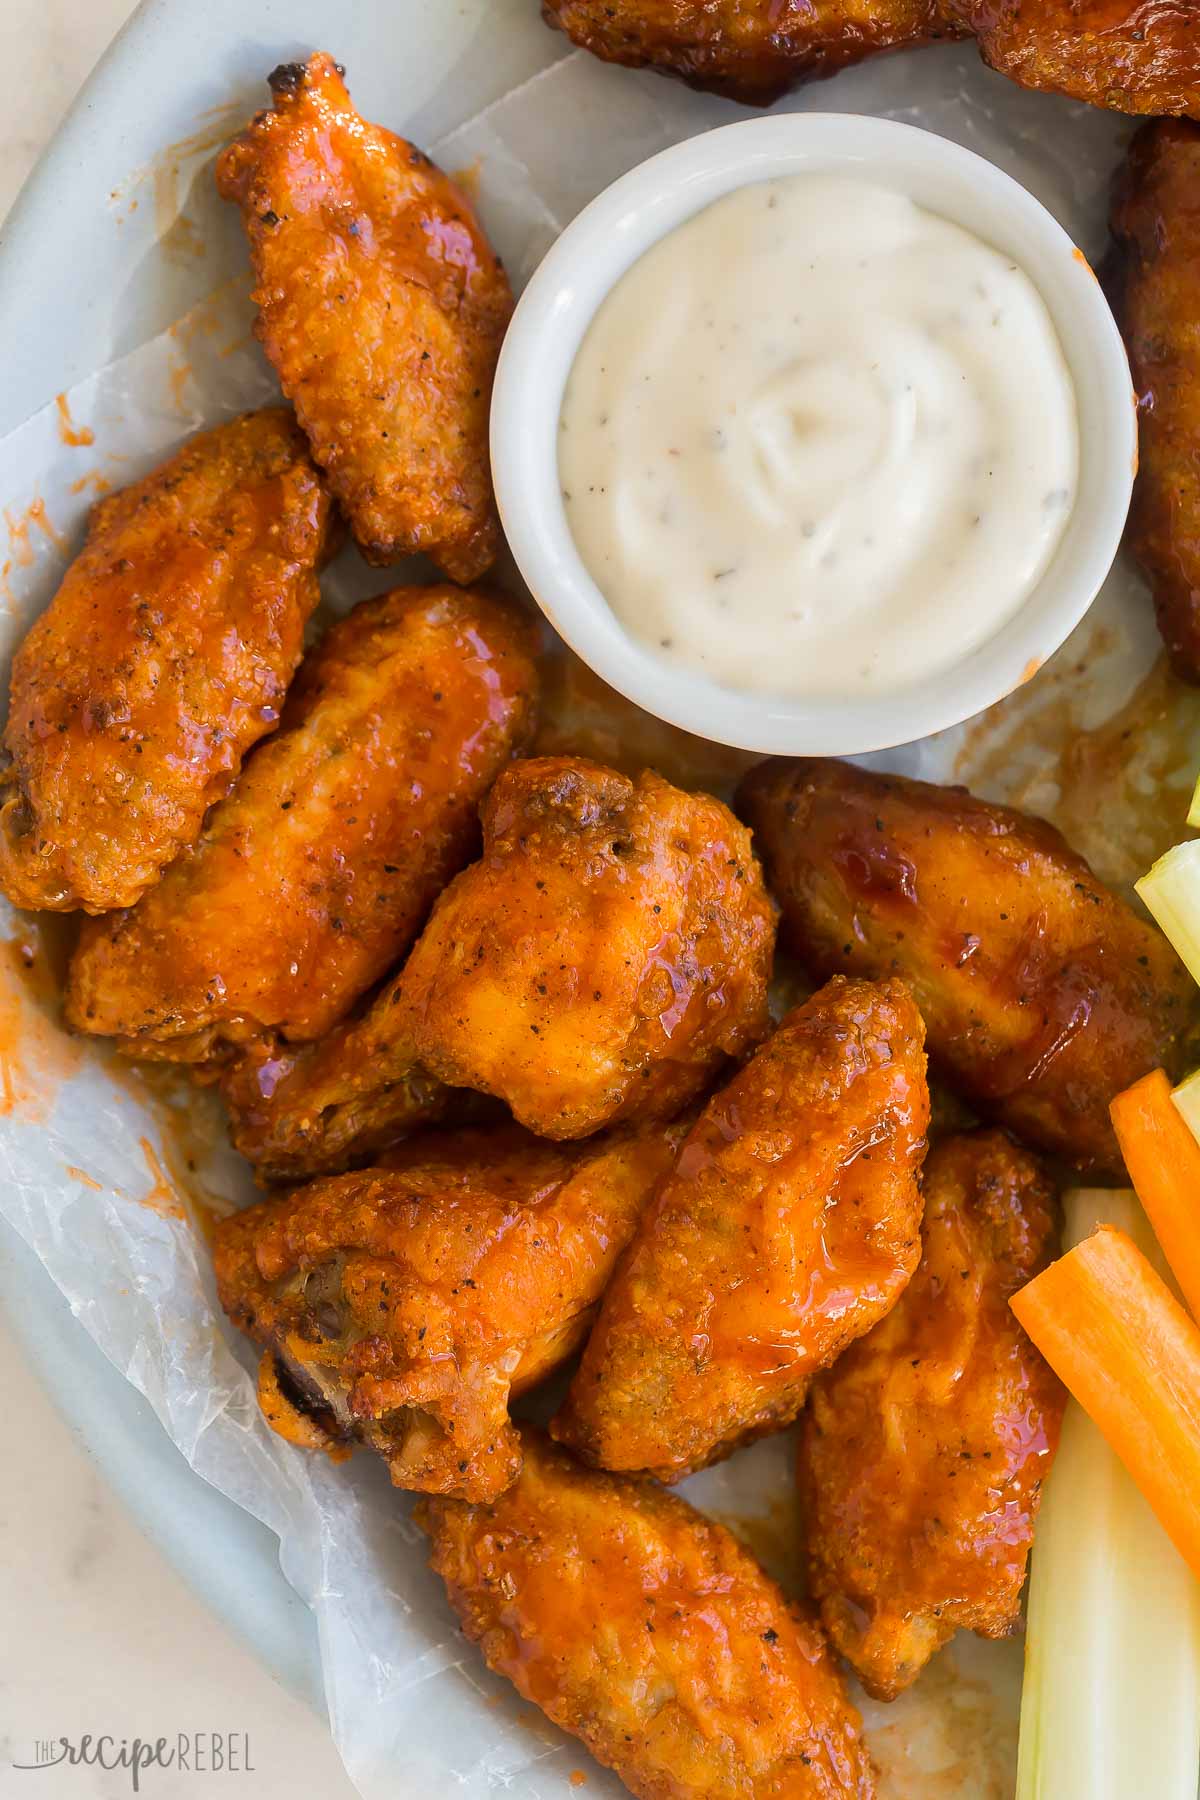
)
(634, 213)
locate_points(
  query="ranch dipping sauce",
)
(818, 442)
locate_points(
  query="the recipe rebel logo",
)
(189, 1752)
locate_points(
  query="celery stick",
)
(1187, 1099)
(1172, 892)
(1110, 1707)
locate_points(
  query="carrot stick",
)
(1122, 1344)
(1163, 1159)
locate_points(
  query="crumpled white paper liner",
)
(83, 1148)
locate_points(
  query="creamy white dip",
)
(818, 441)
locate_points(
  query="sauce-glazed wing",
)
(646, 1630)
(789, 1226)
(317, 872)
(1132, 56)
(1043, 994)
(924, 1450)
(611, 947)
(401, 1307)
(382, 306)
(1156, 269)
(163, 657)
(741, 48)
(1136, 56)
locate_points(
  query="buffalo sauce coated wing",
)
(163, 657)
(1043, 994)
(611, 947)
(403, 1305)
(924, 1450)
(648, 1632)
(1137, 56)
(1133, 56)
(790, 1224)
(381, 306)
(1156, 228)
(742, 48)
(317, 872)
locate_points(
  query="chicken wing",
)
(403, 1305)
(648, 1632)
(163, 657)
(789, 1226)
(1131, 56)
(924, 1450)
(317, 872)
(741, 48)
(1137, 56)
(1156, 290)
(1042, 993)
(382, 306)
(612, 946)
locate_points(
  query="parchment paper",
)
(110, 1175)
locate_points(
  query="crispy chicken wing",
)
(382, 306)
(744, 49)
(317, 872)
(647, 1631)
(1137, 56)
(163, 657)
(1043, 994)
(1156, 292)
(611, 947)
(1132, 56)
(403, 1305)
(788, 1227)
(924, 1450)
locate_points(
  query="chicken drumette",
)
(381, 306)
(647, 1631)
(402, 1306)
(1130, 55)
(317, 872)
(609, 950)
(1156, 285)
(924, 1450)
(788, 1227)
(1042, 993)
(163, 657)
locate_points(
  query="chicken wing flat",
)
(317, 872)
(744, 49)
(924, 1450)
(1156, 290)
(1043, 994)
(648, 1632)
(789, 1226)
(1137, 56)
(163, 657)
(382, 306)
(609, 950)
(404, 1305)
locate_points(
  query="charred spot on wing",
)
(289, 78)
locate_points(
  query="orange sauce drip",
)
(68, 431)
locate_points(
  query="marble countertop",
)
(109, 1639)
